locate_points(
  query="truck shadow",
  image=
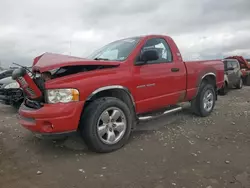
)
(76, 145)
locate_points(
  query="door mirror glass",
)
(148, 55)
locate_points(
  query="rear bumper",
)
(51, 119)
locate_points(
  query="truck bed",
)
(197, 69)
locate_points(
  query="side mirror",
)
(230, 69)
(148, 55)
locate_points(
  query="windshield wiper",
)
(97, 58)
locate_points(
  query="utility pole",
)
(70, 47)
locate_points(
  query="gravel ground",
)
(179, 150)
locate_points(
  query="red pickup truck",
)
(104, 95)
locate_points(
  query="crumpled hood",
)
(49, 61)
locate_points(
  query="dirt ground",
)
(179, 150)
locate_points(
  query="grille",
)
(2, 92)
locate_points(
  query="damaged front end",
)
(11, 96)
(10, 92)
(52, 103)
(33, 84)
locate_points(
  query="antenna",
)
(23, 67)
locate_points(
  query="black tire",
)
(224, 89)
(247, 82)
(239, 85)
(16, 105)
(89, 121)
(198, 104)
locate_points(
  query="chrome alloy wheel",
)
(208, 100)
(111, 125)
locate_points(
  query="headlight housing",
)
(13, 85)
(62, 95)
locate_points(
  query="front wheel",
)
(204, 102)
(17, 104)
(106, 124)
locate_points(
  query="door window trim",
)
(236, 64)
(156, 62)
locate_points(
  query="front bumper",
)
(51, 136)
(10, 96)
(51, 119)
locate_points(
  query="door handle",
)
(175, 69)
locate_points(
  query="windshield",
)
(116, 51)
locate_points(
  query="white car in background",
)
(10, 92)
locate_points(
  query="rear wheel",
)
(239, 85)
(224, 89)
(106, 124)
(204, 102)
(247, 80)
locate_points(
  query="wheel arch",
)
(209, 77)
(113, 90)
(117, 91)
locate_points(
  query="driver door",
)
(161, 82)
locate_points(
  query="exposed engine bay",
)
(69, 70)
(33, 83)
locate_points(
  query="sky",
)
(202, 29)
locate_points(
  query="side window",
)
(225, 65)
(229, 64)
(165, 54)
(235, 64)
(8, 73)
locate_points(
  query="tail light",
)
(27, 84)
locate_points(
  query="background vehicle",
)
(10, 92)
(232, 77)
(245, 68)
(6, 73)
(105, 95)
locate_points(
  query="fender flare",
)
(205, 75)
(112, 87)
(201, 79)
